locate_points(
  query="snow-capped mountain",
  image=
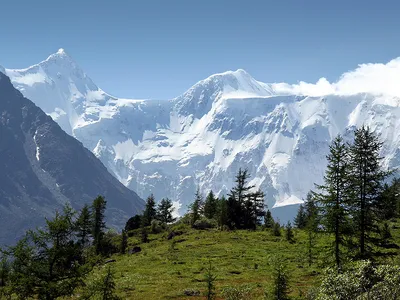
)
(279, 132)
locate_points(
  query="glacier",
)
(279, 132)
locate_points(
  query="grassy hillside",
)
(164, 269)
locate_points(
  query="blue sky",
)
(159, 48)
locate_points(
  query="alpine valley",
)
(279, 132)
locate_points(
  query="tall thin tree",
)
(332, 198)
(366, 180)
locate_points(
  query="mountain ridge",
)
(227, 121)
(42, 168)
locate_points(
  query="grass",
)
(164, 269)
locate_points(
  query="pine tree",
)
(210, 280)
(300, 220)
(254, 210)
(107, 288)
(195, 207)
(149, 213)
(124, 242)
(164, 211)
(280, 289)
(276, 230)
(84, 226)
(98, 223)
(240, 206)
(268, 220)
(210, 206)
(333, 198)
(366, 181)
(289, 232)
(222, 212)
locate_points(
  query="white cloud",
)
(366, 78)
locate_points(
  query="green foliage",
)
(84, 226)
(268, 220)
(144, 236)
(102, 287)
(164, 211)
(157, 226)
(48, 263)
(289, 235)
(222, 212)
(366, 178)
(98, 209)
(362, 280)
(149, 213)
(133, 223)
(385, 234)
(204, 223)
(276, 230)
(237, 292)
(124, 242)
(300, 220)
(280, 289)
(210, 206)
(196, 207)
(210, 278)
(390, 200)
(245, 208)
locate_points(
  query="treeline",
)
(243, 208)
(54, 261)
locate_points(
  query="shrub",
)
(205, 223)
(157, 226)
(237, 293)
(362, 281)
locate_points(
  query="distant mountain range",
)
(42, 168)
(279, 132)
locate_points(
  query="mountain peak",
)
(60, 55)
(61, 51)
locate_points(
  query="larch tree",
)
(366, 177)
(333, 195)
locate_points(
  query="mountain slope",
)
(42, 167)
(224, 122)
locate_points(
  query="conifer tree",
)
(300, 220)
(280, 288)
(244, 207)
(222, 212)
(289, 233)
(276, 230)
(366, 177)
(107, 287)
(268, 220)
(46, 262)
(196, 207)
(98, 223)
(84, 226)
(164, 211)
(210, 278)
(210, 205)
(124, 242)
(149, 213)
(333, 195)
